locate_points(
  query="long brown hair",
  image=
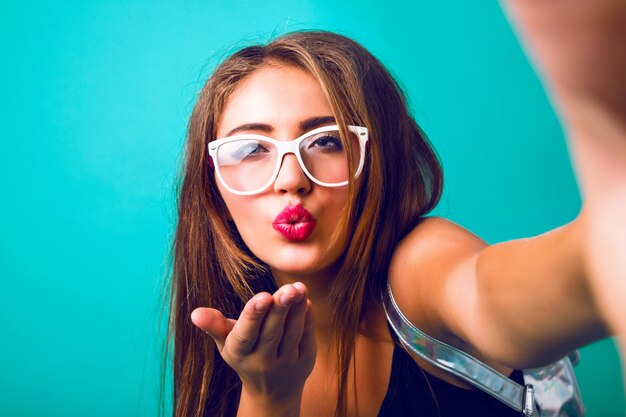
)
(401, 182)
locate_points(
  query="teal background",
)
(94, 101)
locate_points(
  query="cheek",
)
(229, 202)
(335, 202)
(247, 214)
(240, 209)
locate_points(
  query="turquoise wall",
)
(94, 100)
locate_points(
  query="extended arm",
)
(579, 48)
(532, 297)
(526, 301)
(520, 303)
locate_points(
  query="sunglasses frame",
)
(285, 147)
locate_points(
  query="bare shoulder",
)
(426, 267)
(432, 275)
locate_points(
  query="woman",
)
(282, 251)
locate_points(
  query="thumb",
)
(213, 322)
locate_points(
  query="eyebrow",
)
(308, 124)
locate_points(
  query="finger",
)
(294, 324)
(273, 327)
(213, 322)
(245, 333)
(308, 344)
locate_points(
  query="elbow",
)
(527, 349)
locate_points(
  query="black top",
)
(412, 392)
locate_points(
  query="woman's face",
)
(284, 102)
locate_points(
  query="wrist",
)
(256, 404)
(597, 140)
(593, 119)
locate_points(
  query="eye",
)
(240, 151)
(327, 142)
(249, 150)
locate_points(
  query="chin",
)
(299, 263)
(297, 266)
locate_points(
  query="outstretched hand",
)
(272, 344)
(579, 48)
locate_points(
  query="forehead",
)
(279, 95)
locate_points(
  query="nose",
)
(291, 178)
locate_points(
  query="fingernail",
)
(286, 299)
(261, 305)
(299, 297)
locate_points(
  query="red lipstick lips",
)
(295, 223)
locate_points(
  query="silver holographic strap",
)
(459, 363)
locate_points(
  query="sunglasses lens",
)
(326, 155)
(248, 164)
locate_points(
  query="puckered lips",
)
(294, 223)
